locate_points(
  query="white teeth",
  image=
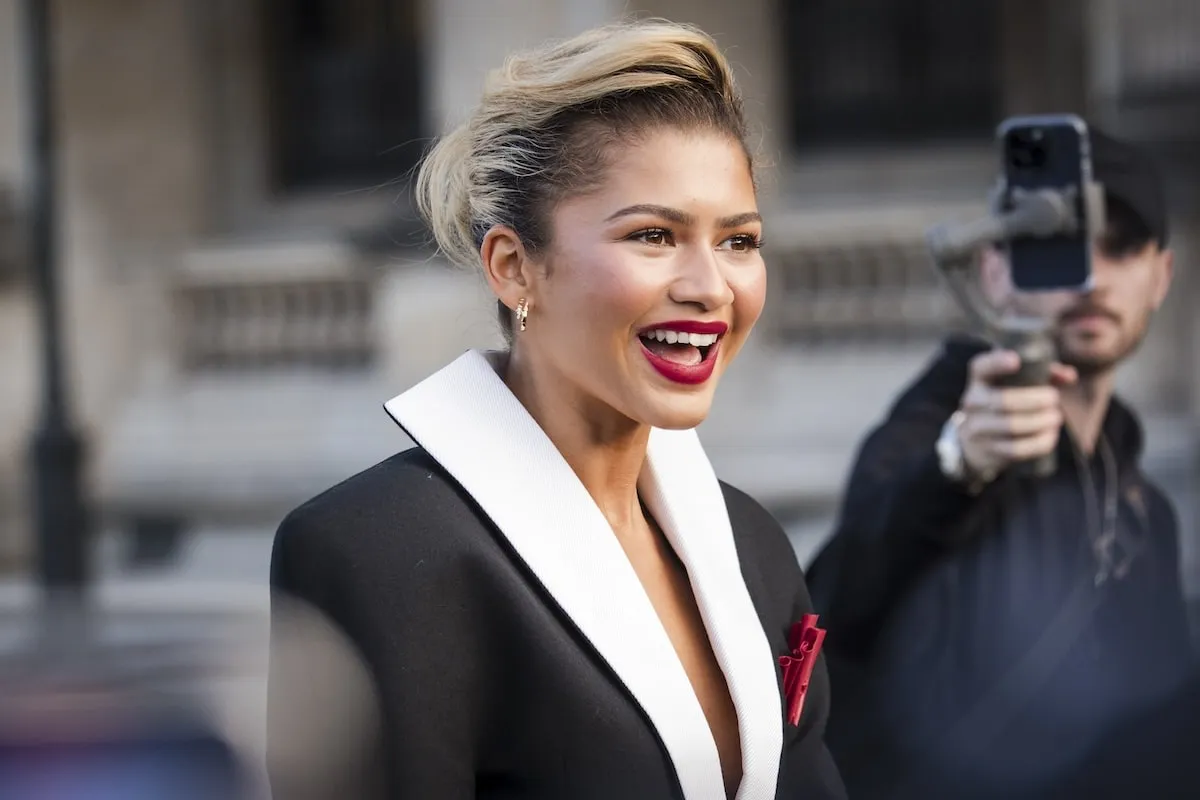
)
(679, 337)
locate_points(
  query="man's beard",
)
(1091, 364)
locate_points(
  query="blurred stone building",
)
(247, 283)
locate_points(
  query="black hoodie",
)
(930, 595)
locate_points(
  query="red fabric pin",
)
(804, 641)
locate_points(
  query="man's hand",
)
(1003, 425)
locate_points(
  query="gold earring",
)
(522, 313)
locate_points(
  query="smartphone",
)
(1048, 151)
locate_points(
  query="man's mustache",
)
(1088, 310)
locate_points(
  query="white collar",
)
(466, 418)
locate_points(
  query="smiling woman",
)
(555, 595)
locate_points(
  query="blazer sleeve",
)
(408, 629)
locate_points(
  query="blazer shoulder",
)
(748, 516)
(403, 498)
(759, 535)
(739, 501)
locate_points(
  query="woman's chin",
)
(678, 413)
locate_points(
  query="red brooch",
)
(805, 643)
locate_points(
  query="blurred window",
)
(866, 72)
(345, 91)
(1158, 50)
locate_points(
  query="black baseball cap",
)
(1129, 174)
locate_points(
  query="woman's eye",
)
(743, 243)
(656, 237)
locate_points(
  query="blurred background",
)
(244, 281)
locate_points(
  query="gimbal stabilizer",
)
(1015, 214)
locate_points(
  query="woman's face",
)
(651, 282)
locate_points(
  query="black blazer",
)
(512, 651)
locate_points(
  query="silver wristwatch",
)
(951, 460)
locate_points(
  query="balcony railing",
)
(306, 308)
(860, 278)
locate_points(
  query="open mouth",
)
(680, 347)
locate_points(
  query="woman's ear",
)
(505, 264)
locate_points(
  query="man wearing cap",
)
(986, 628)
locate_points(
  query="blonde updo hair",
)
(550, 118)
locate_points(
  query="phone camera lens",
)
(1026, 149)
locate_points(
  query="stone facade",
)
(169, 194)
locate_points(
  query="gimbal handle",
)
(1014, 214)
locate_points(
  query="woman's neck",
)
(605, 449)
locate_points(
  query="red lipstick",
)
(688, 374)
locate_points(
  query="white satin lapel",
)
(681, 490)
(469, 422)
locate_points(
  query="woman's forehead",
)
(677, 170)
